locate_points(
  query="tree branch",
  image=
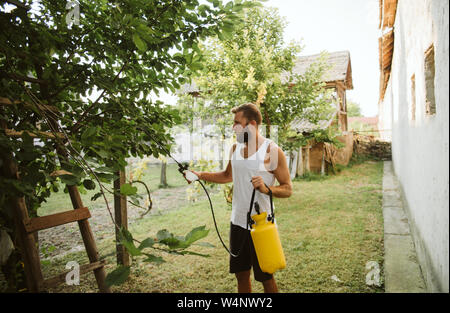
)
(78, 124)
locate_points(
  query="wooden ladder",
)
(27, 226)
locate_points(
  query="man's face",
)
(246, 131)
(239, 122)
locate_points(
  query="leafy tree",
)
(353, 109)
(84, 88)
(254, 64)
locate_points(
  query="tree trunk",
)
(163, 180)
(266, 116)
(222, 152)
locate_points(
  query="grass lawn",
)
(329, 226)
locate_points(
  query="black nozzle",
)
(257, 207)
(182, 167)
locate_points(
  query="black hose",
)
(215, 225)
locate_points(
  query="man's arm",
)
(222, 177)
(281, 172)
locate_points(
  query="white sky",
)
(336, 25)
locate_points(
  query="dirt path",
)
(64, 239)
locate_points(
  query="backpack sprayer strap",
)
(270, 218)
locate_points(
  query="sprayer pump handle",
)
(270, 218)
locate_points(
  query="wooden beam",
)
(27, 242)
(341, 85)
(322, 166)
(121, 217)
(60, 173)
(389, 12)
(307, 165)
(6, 101)
(300, 162)
(85, 229)
(35, 134)
(49, 221)
(85, 268)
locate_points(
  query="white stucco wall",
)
(385, 114)
(420, 148)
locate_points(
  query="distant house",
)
(338, 78)
(414, 104)
(363, 124)
(371, 121)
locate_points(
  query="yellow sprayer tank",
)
(267, 244)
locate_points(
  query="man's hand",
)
(196, 173)
(258, 183)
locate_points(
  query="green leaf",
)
(125, 234)
(89, 184)
(154, 259)
(126, 239)
(196, 234)
(106, 169)
(127, 189)
(118, 276)
(140, 44)
(149, 242)
(89, 133)
(96, 196)
(196, 253)
(106, 178)
(163, 234)
(102, 153)
(196, 66)
(168, 239)
(69, 179)
(129, 245)
(204, 244)
(228, 6)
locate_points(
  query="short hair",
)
(250, 111)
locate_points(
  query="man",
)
(255, 163)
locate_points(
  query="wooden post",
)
(293, 164)
(322, 167)
(28, 247)
(121, 217)
(300, 162)
(307, 167)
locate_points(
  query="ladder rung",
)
(58, 279)
(49, 221)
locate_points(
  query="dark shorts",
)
(240, 237)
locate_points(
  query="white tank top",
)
(243, 170)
